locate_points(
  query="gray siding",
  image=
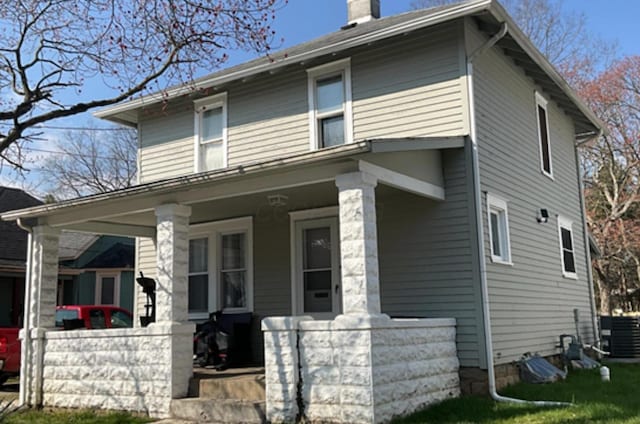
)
(409, 87)
(426, 257)
(531, 302)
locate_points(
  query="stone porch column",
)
(172, 296)
(40, 310)
(358, 244)
(173, 262)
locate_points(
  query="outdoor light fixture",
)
(543, 216)
(277, 200)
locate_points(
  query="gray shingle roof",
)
(13, 239)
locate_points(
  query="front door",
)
(318, 268)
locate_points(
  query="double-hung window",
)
(330, 104)
(498, 230)
(211, 133)
(543, 135)
(220, 267)
(567, 251)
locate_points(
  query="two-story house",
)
(418, 165)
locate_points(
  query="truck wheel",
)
(3, 378)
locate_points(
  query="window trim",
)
(116, 288)
(542, 102)
(214, 232)
(496, 203)
(567, 224)
(327, 70)
(200, 105)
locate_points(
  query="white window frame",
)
(328, 70)
(568, 225)
(214, 232)
(201, 105)
(499, 205)
(541, 102)
(116, 287)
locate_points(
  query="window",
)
(120, 319)
(330, 104)
(498, 230)
(543, 135)
(220, 267)
(211, 133)
(107, 289)
(567, 255)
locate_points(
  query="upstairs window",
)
(543, 135)
(498, 230)
(330, 104)
(211, 133)
(567, 255)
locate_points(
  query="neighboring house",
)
(13, 257)
(101, 269)
(420, 165)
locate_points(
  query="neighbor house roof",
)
(13, 239)
(489, 14)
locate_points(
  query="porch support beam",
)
(358, 244)
(402, 181)
(40, 310)
(172, 261)
(98, 227)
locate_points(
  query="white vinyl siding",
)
(530, 303)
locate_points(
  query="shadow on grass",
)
(593, 402)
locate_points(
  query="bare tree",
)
(562, 36)
(51, 49)
(91, 161)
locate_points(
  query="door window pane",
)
(107, 293)
(97, 319)
(317, 248)
(330, 94)
(120, 320)
(317, 291)
(198, 253)
(198, 293)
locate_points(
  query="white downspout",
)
(25, 380)
(479, 224)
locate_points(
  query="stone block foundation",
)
(133, 369)
(357, 369)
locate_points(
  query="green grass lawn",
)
(594, 402)
(71, 417)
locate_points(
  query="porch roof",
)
(98, 213)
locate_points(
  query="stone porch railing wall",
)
(118, 369)
(357, 369)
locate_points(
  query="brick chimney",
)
(360, 11)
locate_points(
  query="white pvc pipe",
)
(26, 324)
(479, 225)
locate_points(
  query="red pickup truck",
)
(67, 317)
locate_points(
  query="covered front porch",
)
(296, 243)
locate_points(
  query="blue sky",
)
(302, 20)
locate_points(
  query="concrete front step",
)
(241, 384)
(218, 411)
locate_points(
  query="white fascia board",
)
(402, 181)
(462, 10)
